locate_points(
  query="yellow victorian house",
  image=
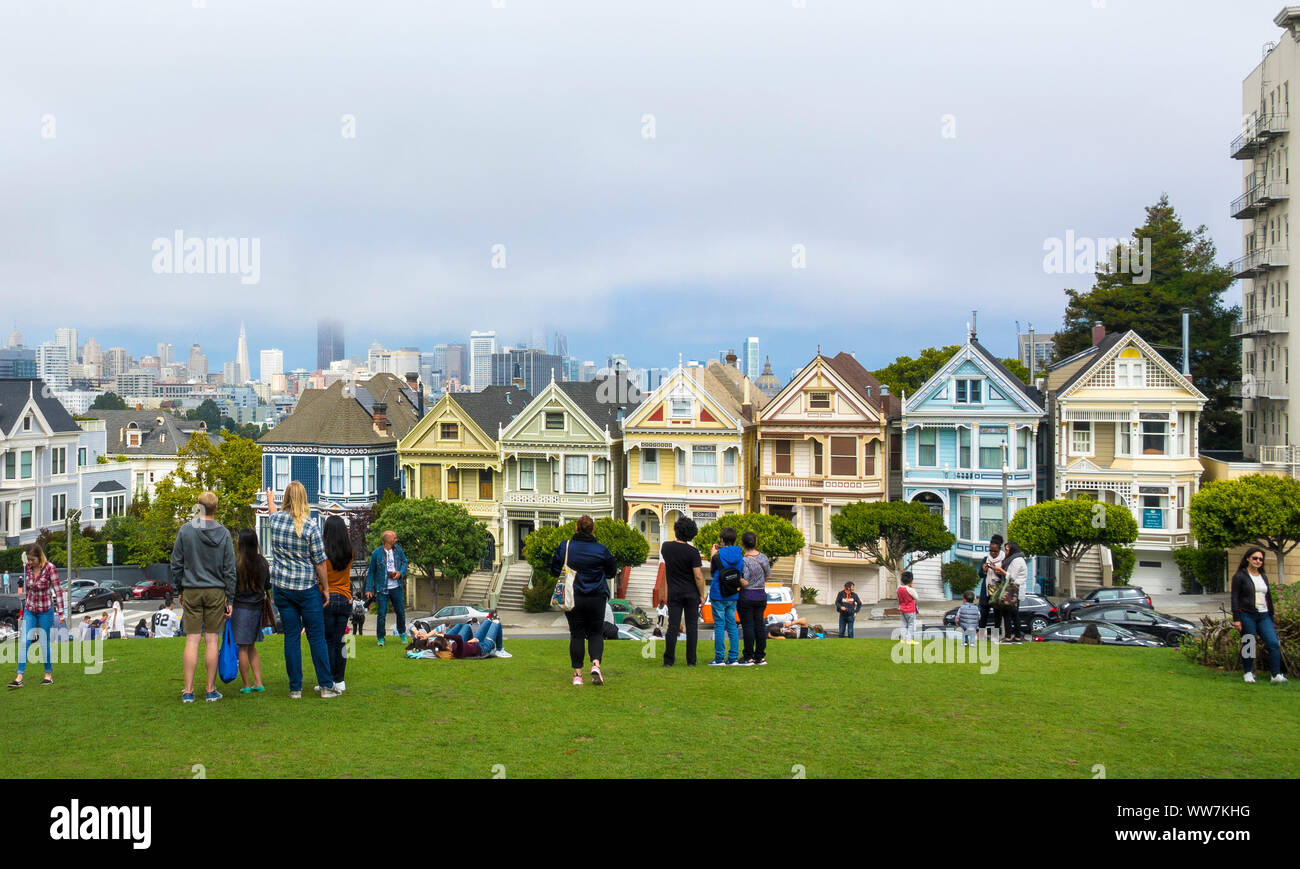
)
(690, 450)
(454, 454)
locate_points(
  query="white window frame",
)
(920, 432)
(677, 405)
(58, 461)
(31, 518)
(600, 477)
(962, 390)
(730, 462)
(1074, 442)
(699, 467)
(330, 465)
(357, 475)
(526, 483)
(969, 434)
(814, 394)
(570, 464)
(83, 455)
(546, 420)
(372, 473)
(31, 464)
(59, 507)
(280, 479)
(1130, 373)
(681, 467)
(649, 465)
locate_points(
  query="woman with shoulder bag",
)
(1252, 613)
(593, 567)
(252, 574)
(1015, 572)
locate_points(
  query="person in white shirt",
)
(112, 627)
(164, 622)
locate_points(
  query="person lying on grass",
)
(796, 630)
(462, 640)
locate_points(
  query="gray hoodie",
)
(204, 557)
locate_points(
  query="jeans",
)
(677, 608)
(304, 609)
(586, 622)
(398, 597)
(488, 635)
(846, 625)
(754, 628)
(1261, 626)
(724, 621)
(336, 622)
(43, 624)
(909, 626)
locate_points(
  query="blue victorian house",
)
(958, 429)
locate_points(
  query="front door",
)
(522, 530)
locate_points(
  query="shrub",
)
(537, 596)
(1123, 560)
(777, 537)
(808, 595)
(960, 576)
(1201, 568)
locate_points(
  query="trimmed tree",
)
(625, 543)
(1066, 529)
(777, 536)
(1256, 509)
(890, 531)
(438, 537)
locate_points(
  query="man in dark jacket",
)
(593, 566)
(847, 604)
(203, 570)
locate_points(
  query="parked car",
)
(780, 602)
(625, 613)
(457, 614)
(1111, 635)
(627, 631)
(1140, 620)
(93, 598)
(83, 583)
(1036, 613)
(149, 589)
(1123, 594)
(122, 587)
(10, 607)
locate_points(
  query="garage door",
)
(1156, 573)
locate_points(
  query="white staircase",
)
(1087, 574)
(518, 575)
(476, 588)
(927, 579)
(641, 584)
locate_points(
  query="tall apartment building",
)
(1264, 149)
(198, 363)
(1043, 344)
(67, 337)
(481, 347)
(753, 363)
(329, 343)
(166, 354)
(52, 364)
(270, 363)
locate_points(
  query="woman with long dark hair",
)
(338, 571)
(252, 575)
(42, 601)
(1252, 614)
(593, 567)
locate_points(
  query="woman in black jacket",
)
(593, 567)
(1252, 614)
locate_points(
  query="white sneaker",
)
(316, 688)
(1249, 677)
(1278, 679)
(295, 695)
(327, 693)
(340, 687)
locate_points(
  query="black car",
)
(1111, 635)
(10, 606)
(1140, 620)
(94, 597)
(121, 588)
(1036, 613)
(1128, 595)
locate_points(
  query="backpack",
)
(729, 579)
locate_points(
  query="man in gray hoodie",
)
(203, 570)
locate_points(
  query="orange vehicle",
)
(780, 600)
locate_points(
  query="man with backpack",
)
(728, 565)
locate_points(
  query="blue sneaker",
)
(717, 664)
(381, 641)
(404, 639)
(187, 698)
(212, 696)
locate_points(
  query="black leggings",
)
(677, 608)
(754, 628)
(586, 622)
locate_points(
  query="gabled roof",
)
(334, 417)
(108, 486)
(864, 383)
(14, 393)
(1031, 392)
(493, 407)
(1105, 350)
(161, 433)
(1100, 350)
(990, 363)
(588, 397)
(725, 384)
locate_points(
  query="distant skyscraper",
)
(271, 362)
(457, 362)
(481, 347)
(245, 373)
(197, 365)
(52, 364)
(92, 353)
(166, 354)
(115, 361)
(751, 362)
(15, 339)
(329, 343)
(68, 338)
(533, 367)
(561, 344)
(587, 371)
(616, 360)
(572, 368)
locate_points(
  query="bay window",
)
(453, 484)
(1022, 448)
(729, 466)
(817, 458)
(357, 468)
(963, 448)
(1155, 434)
(991, 440)
(281, 472)
(782, 463)
(844, 456)
(704, 463)
(1081, 438)
(990, 517)
(485, 485)
(336, 476)
(370, 474)
(600, 473)
(963, 517)
(927, 447)
(575, 474)
(649, 465)
(869, 459)
(818, 519)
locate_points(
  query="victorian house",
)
(148, 442)
(823, 444)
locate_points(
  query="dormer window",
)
(133, 439)
(819, 401)
(680, 408)
(554, 421)
(968, 391)
(27, 422)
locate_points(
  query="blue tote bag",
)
(228, 660)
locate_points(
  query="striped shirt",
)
(42, 590)
(294, 558)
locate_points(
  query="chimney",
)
(747, 407)
(1098, 333)
(380, 416)
(413, 381)
(732, 358)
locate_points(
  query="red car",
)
(150, 588)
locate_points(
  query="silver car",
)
(457, 614)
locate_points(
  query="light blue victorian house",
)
(956, 428)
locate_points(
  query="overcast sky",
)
(921, 153)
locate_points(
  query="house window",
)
(554, 421)
(1081, 438)
(281, 473)
(990, 517)
(963, 517)
(649, 465)
(59, 507)
(453, 484)
(600, 471)
(81, 457)
(575, 474)
(99, 508)
(527, 474)
(991, 447)
(25, 465)
(869, 459)
(819, 401)
(1155, 434)
(116, 505)
(25, 515)
(133, 439)
(817, 450)
(927, 447)
(704, 463)
(11, 465)
(336, 476)
(844, 457)
(1130, 374)
(729, 466)
(484, 485)
(59, 460)
(818, 518)
(680, 408)
(967, 391)
(139, 482)
(963, 448)
(782, 461)
(1022, 448)
(370, 474)
(358, 474)
(681, 467)
(448, 431)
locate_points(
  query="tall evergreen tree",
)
(1183, 274)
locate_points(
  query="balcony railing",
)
(1259, 261)
(1258, 133)
(1259, 197)
(1262, 324)
(1279, 454)
(1275, 389)
(781, 481)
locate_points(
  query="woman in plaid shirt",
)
(42, 599)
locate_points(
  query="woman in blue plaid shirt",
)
(300, 581)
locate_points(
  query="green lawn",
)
(835, 708)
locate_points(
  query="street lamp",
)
(67, 540)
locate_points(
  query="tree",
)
(777, 537)
(625, 543)
(1180, 273)
(890, 531)
(209, 413)
(907, 375)
(387, 498)
(83, 550)
(439, 537)
(1066, 529)
(1257, 509)
(960, 576)
(232, 468)
(108, 401)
